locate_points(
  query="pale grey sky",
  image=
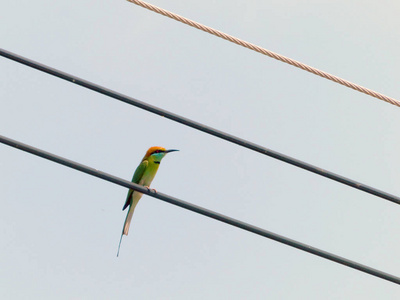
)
(60, 227)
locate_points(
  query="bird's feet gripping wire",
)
(151, 190)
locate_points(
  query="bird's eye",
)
(157, 151)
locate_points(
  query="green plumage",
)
(137, 176)
(144, 175)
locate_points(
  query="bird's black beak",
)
(171, 150)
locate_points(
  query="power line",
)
(200, 210)
(266, 52)
(204, 128)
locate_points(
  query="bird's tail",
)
(128, 218)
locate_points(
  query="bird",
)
(144, 175)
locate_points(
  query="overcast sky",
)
(60, 228)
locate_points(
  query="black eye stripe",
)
(158, 151)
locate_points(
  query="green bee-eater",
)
(143, 175)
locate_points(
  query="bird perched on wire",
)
(143, 175)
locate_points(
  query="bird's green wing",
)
(135, 179)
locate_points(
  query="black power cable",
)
(200, 210)
(201, 127)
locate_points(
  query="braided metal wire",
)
(266, 52)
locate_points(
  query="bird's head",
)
(156, 154)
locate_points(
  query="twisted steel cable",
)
(264, 51)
